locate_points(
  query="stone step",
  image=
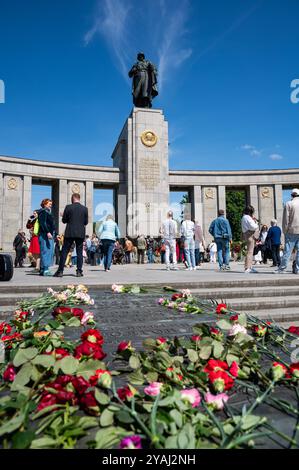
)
(262, 303)
(14, 298)
(246, 292)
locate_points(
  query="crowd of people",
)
(176, 244)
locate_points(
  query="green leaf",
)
(224, 324)
(68, 365)
(149, 343)
(124, 417)
(218, 349)
(230, 358)
(171, 442)
(192, 355)
(242, 320)
(183, 440)
(22, 440)
(135, 290)
(12, 425)
(24, 355)
(163, 359)
(101, 397)
(152, 377)
(205, 352)
(177, 417)
(74, 321)
(87, 368)
(167, 401)
(136, 377)
(134, 361)
(109, 437)
(22, 377)
(44, 360)
(44, 443)
(87, 422)
(250, 421)
(106, 418)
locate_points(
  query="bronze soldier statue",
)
(144, 75)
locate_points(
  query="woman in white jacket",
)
(249, 227)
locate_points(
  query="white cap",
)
(295, 192)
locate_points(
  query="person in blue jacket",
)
(274, 241)
(109, 233)
(221, 232)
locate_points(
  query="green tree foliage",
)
(235, 203)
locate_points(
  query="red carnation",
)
(161, 340)
(278, 370)
(220, 380)
(195, 338)
(214, 365)
(125, 393)
(14, 336)
(123, 346)
(234, 318)
(234, 369)
(221, 308)
(9, 373)
(259, 330)
(5, 328)
(175, 297)
(294, 330)
(93, 336)
(47, 400)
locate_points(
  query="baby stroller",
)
(118, 256)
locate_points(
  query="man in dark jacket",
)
(273, 240)
(75, 215)
(18, 245)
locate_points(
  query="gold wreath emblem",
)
(265, 193)
(12, 183)
(149, 138)
(76, 189)
(209, 193)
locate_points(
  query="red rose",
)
(21, 316)
(93, 336)
(89, 350)
(102, 377)
(5, 328)
(234, 318)
(64, 396)
(175, 297)
(77, 312)
(294, 330)
(60, 353)
(125, 393)
(234, 369)
(61, 310)
(221, 308)
(123, 346)
(215, 333)
(14, 336)
(220, 380)
(259, 330)
(294, 370)
(80, 385)
(9, 373)
(47, 400)
(89, 403)
(195, 338)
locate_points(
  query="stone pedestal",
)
(142, 155)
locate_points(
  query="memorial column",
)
(89, 205)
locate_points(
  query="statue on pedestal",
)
(144, 75)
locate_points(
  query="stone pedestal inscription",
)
(149, 172)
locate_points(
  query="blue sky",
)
(225, 69)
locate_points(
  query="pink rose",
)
(192, 396)
(216, 402)
(153, 389)
(237, 328)
(88, 317)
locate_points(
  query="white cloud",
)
(119, 21)
(253, 151)
(276, 156)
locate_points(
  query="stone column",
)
(278, 203)
(12, 210)
(27, 186)
(266, 204)
(120, 205)
(196, 203)
(221, 198)
(89, 205)
(209, 198)
(62, 202)
(1, 209)
(253, 199)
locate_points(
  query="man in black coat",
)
(75, 215)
